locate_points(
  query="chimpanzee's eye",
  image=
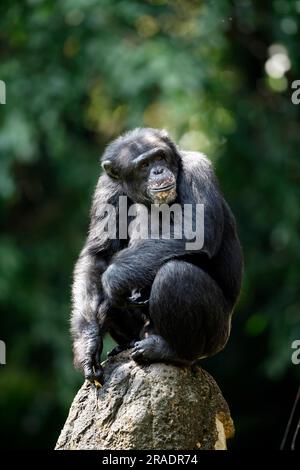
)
(145, 165)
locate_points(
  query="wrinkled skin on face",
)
(161, 180)
(146, 169)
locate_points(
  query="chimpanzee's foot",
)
(155, 348)
(120, 348)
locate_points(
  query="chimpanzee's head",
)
(145, 162)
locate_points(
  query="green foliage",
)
(77, 74)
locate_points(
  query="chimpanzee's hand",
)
(87, 352)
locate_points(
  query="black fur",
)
(173, 305)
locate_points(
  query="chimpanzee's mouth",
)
(162, 189)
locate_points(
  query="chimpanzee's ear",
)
(109, 169)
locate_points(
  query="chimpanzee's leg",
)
(189, 315)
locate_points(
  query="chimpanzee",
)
(167, 302)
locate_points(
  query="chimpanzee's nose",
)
(158, 170)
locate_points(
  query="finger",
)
(89, 373)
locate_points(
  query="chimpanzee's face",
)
(147, 169)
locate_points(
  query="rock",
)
(148, 407)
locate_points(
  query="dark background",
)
(217, 75)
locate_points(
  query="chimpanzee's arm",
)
(88, 314)
(90, 305)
